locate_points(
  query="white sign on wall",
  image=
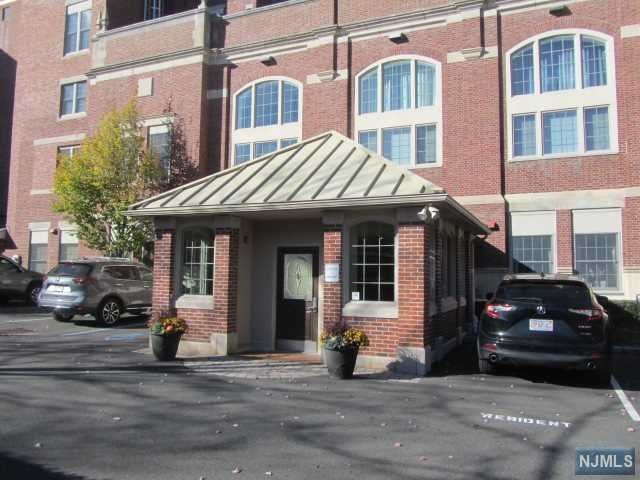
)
(331, 272)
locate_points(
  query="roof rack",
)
(105, 259)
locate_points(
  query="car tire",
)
(63, 316)
(109, 312)
(32, 293)
(485, 366)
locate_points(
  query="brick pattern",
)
(631, 227)
(436, 318)
(332, 252)
(163, 273)
(564, 240)
(382, 332)
(225, 283)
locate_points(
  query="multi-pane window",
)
(396, 145)
(287, 142)
(560, 132)
(154, 9)
(596, 127)
(69, 151)
(38, 250)
(532, 253)
(242, 153)
(264, 148)
(243, 109)
(266, 94)
(160, 146)
(369, 139)
(594, 62)
(597, 259)
(369, 92)
(73, 98)
(197, 262)
(69, 246)
(557, 67)
(290, 103)
(410, 85)
(522, 71)
(425, 144)
(524, 135)
(372, 262)
(77, 27)
(396, 80)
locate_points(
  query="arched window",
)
(196, 274)
(373, 262)
(267, 117)
(408, 85)
(562, 98)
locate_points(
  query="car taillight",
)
(590, 314)
(495, 310)
(81, 280)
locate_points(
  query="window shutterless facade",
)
(69, 151)
(266, 114)
(562, 95)
(73, 98)
(77, 27)
(159, 141)
(597, 259)
(38, 250)
(197, 268)
(399, 110)
(69, 246)
(532, 253)
(372, 262)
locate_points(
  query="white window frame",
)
(278, 132)
(71, 9)
(534, 223)
(179, 262)
(411, 117)
(577, 98)
(67, 234)
(69, 150)
(154, 4)
(74, 113)
(600, 220)
(38, 236)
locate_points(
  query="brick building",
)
(525, 112)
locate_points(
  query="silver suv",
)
(102, 287)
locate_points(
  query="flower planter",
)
(165, 346)
(341, 363)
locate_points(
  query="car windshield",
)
(570, 295)
(71, 270)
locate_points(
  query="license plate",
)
(58, 289)
(537, 325)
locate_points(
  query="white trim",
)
(77, 137)
(72, 116)
(196, 302)
(629, 31)
(479, 53)
(576, 99)
(146, 68)
(44, 191)
(370, 309)
(39, 226)
(157, 121)
(577, 199)
(479, 199)
(217, 93)
(411, 117)
(278, 132)
(328, 76)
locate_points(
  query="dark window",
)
(569, 295)
(71, 270)
(7, 266)
(197, 262)
(372, 262)
(264, 3)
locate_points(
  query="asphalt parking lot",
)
(82, 402)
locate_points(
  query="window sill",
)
(197, 302)
(79, 53)
(72, 116)
(565, 156)
(371, 309)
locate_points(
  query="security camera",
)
(429, 214)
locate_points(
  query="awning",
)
(326, 172)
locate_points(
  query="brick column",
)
(225, 283)
(413, 327)
(332, 253)
(163, 268)
(564, 241)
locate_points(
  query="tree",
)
(112, 170)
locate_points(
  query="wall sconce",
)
(560, 11)
(268, 60)
(398, 37)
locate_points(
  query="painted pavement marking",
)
(625, 401)
(524, 420)
(85, 332)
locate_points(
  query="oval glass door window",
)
(298, 276)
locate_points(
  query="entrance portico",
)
(262, 256)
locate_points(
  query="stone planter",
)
(165, 347)
(341, 363)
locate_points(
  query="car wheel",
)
(32, 294)
(109, 312)
(485, 366)
(63, 316)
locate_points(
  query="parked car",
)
(17, 282)
(103, 287)
(546, 320)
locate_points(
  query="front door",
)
(297, 299)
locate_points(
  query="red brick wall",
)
(564, 240)
(332, 253)
(163, 271)
(631, 228)
(225, 283)
(382, 334)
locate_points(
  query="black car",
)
(553, 320)
(17, 282)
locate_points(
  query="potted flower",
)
(165, 337)
(341, 345)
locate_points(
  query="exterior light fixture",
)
(398, 37)
(269, 60)
(560, 11)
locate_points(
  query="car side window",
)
(146, 274)
(131, 273)
(7, 266)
